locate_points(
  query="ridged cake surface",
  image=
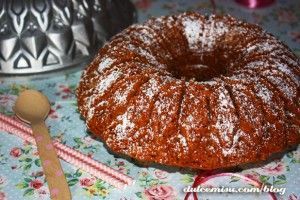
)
(193, 91)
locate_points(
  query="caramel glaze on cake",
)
(193, 91)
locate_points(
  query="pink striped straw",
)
(99, 170)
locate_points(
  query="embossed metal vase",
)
(43, 35)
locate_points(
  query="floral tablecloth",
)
(21, 175)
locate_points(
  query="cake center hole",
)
(200, 68)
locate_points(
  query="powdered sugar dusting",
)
(225, 120)
(123, 128)
(190, 118)
(145, 34)
(121, 95)
(153, 89)
(91, 109)
(202, 36)
(264, 93)
(102, 86)
(255, 64)
(192, 30)
(105, 83)
(285, 69)
(232, 149)
(266, 46)
(282, 85)
(215, 139)
(146, 54)
(104, 64)
(248, 107)
(189, 125)
(183, 143)
(275, 65)
(160, 107)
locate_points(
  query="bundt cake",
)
(193, 91)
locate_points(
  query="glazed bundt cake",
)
(193, 91)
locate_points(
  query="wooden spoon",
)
(33, 107)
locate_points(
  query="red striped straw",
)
(99, 170)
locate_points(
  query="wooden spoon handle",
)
(55, 177)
